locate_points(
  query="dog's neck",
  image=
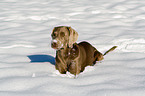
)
(65, 50)
(65, 47)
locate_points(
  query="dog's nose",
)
(54, 45)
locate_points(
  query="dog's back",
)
(91, 53)
(83, 54)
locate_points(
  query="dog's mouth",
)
(56, 45)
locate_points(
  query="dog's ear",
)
(73, 36)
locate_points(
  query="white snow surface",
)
(25, 30)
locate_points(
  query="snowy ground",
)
(25, 30)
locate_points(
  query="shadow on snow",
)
(41, 58)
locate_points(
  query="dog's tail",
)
(111, 49)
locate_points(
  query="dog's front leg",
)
(74, 67)
(60, 68)
(60, 65)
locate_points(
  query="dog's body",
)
(82, 55)
(71, 56)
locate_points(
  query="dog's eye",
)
(62, 34)
(54, 35)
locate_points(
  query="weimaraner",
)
(71, 56)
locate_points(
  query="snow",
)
(27, 59)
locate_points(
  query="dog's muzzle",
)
(54, 44)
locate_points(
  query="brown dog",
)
(71, 56)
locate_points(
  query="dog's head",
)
(63, 36)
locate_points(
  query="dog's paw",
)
(71, 75)
(68, 74)
(99, 61)
(57, 73)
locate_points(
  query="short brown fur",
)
(71, 56)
